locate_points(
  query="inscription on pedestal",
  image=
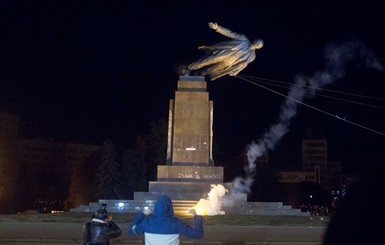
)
(190, 173)
(198, 176)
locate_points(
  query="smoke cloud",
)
(213, 204)
(337, 58)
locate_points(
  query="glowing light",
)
(120, 204)
(200, 211)
(212, 205)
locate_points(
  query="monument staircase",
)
(182, 206)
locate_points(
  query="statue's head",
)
(257, 44)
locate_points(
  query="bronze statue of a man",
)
(228, 57)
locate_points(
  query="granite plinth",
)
(190, 124)
(192, 78)
(180, 196)
(190, 173)
(182, 187)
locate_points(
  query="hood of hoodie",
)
(163, 207)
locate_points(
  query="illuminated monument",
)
(190, 167)
(189, 171)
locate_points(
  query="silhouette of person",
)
(228, 57)
(100, 229)
(161, 227)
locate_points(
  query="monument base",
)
(182, 206)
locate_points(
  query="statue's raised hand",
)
(213, 25)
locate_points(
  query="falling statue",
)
(228, 57)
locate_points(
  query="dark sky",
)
(87, 71)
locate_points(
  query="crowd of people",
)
(315, 210)
(320, 210)
(47, 206)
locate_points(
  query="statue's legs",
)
(205, 62)
(215, 71)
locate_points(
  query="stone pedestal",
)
(190, 168)
(190, 124)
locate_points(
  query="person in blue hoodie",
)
(161, 227)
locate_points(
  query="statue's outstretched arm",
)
(226, 32)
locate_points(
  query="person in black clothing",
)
(100, 229)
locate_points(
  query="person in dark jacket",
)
(100, 229)
(161, 227)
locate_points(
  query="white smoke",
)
(239, 189)
(213, 204)
(337, 58)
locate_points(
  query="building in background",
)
(316, 168)
(35, 170)
(315, 158)
(9, 127)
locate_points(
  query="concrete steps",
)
(182, 206)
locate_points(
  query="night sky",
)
(87, 71)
